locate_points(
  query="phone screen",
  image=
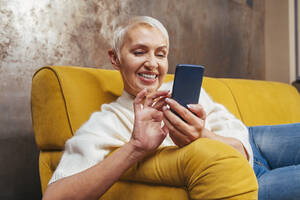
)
(187, 84)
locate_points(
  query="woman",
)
(134, 124)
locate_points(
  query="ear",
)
(114, 59)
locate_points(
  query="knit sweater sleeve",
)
(220, 121)
(91, 143)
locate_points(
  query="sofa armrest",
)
(63, 98)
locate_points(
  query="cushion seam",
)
(234, 98)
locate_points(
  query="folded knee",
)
(206, 149)
(211, 167)
(204, 153)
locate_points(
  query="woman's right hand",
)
(148, 132)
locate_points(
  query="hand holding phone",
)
(186, 90)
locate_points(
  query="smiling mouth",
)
(148, 76)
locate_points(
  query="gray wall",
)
(227, 36)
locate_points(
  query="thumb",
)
(137, 104)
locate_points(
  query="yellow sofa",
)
(63, 97)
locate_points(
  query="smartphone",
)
(187, 84)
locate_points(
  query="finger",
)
(159, 104)
(177, 122)
(187, 115)
(157, 116)
(165, 129)
(178, 138)
(198, 110)
(137, 104)
(151, 98)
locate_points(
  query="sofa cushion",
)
(265, 102)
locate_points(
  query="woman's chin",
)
(151, 88)
(134, 91)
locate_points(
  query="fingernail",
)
(168, 100)
(166, 107)
(190, 105)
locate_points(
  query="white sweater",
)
(112, 127)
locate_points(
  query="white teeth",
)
(148, 76)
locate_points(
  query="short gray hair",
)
(120, 32)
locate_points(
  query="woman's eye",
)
(161, 55)
(138, 53)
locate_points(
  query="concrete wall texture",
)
(227, 36)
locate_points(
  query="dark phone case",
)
(187, 84)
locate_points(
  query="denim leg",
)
(279, 145)
(280, 184)
(276, 152)
(260, 164)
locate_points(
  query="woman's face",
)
(143, 59)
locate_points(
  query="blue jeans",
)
(276, 152)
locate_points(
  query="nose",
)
(151, 62)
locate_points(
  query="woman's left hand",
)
(183, 132)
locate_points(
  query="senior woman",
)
(139, 122)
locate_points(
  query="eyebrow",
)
(162, 47)
(145, 46)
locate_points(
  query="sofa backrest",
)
(265, 102)
(63, 97)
